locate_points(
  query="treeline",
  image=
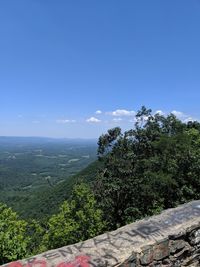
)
(154, 166)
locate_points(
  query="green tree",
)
(13, 239)
(78, 219)
(35, 231)
(151, 167)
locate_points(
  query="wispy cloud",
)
(63, 121)
(117, 119)
(35, 121)
(178, 114)
(124, 116)
(121, 112)
(182, 116)
(93, 120)
(133, 120)
(160, 112)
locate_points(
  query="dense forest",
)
(31, 168)
(138, 173)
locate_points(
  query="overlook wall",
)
(169, 239)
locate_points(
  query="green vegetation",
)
(13, 240)
(154, 166)
(31, 168)
(45, 202)
(78, 219)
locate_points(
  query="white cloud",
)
(182, 116)
(145, 118)
(178, 114)
(63, 121)
(188, 119)
(93, 120)
(133, 120)
(160, 112)
(117, 119)
(122, 112)
(98, 112)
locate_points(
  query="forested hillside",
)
(33, 167)
(43, 203)
(139, 172)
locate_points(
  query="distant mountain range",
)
(35, 139)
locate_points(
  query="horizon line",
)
(48, 137)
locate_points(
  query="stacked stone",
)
(177, 251)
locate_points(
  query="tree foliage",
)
(78, 219)
(151, 167)
(13, 239)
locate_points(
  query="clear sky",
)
(63, 60)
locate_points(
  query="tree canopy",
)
(13, 239)
(151, 167)
(78, 219)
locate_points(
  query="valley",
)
(29, 166)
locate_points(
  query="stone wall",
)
(169, 239)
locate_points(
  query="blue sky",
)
(61, 61)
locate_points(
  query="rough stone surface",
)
(177, 245)
(194, 237)
(147, 255)
(161, 250)
(171, 239)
